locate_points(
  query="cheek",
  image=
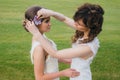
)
(79, 27)
(44, 28)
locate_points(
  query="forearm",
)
(55, 75)
(68, 61)
(65, 53)
(48, 48)
(59, 16)
(61, 54)
(68, 21)
(46, 13)
(50, 76)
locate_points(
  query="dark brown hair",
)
(30, 14)
(92, 17)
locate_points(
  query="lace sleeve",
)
(94, 45)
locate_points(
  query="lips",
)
(49, 27)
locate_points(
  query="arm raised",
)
(82, 50)
(46, 13)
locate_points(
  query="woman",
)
(87, 22)
(45, 66)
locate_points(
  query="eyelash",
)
(47, 21)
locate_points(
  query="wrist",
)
(62, 73)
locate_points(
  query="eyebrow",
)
(47, 19)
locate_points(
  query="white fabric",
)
(82, 65)
(51, 64)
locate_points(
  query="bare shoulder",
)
(38, 51)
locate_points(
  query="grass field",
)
(15, 42)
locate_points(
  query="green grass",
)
(15, 42)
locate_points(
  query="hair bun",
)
(99, 9)
(96, 12)
(95, 9)
(92, 12)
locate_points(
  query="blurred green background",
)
(15, 42)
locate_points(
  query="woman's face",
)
(81, 26)
(45, 25)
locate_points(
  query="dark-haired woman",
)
(88, 20)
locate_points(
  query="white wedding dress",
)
(82, 65)
(51, 64)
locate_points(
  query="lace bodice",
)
(82, 65)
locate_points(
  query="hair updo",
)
(92, 17)
(30, 13)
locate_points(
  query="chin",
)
(47, 31)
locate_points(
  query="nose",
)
(49, 24)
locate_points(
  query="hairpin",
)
(36, 20)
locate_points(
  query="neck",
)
(41, 32)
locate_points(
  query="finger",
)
(28, 23)
(32, 23)
(73, 69)
(76, 73)
(26, 27)
(41, 16)
(72, 74)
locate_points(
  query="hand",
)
(70, 73)
(43, 13)
(30, 26)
